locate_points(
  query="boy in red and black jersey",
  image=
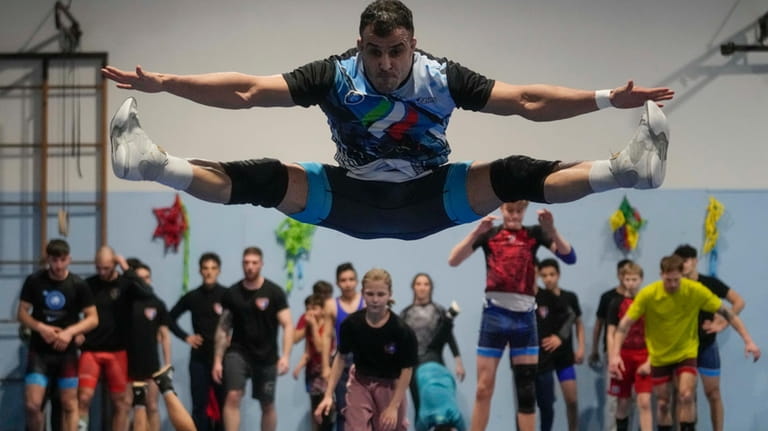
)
(634, 353)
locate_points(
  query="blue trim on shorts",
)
(523, 351)
(455, 198)
(36, 379)
(708, 361)
(489, 352)
(68, 382)
(567, 373)
(319, 197)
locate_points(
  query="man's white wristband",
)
(603, 99)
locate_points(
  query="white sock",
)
(177, 173)
(601, 178)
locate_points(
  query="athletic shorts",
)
(664, 373)
(709, 361)
(237, 370)
(114, 364)
(43, 367)
(633, 359)
(501, 327)
(381, 209)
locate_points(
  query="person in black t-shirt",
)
(708, 361)
(384, 351)
(388, 105)
(204, 304)
(148, 326)
(253, 309)
(557, 311)
(104, 349)
(56, 298)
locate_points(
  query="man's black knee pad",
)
(517, 178)
(525, 387)
(257, 181)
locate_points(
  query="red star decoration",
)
(171, 224)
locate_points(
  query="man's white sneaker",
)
(643, 163)
(134, 156)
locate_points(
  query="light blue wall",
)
(674, 217)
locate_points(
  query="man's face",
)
(671, 280)
(631, 282)
(347, 281)
(549, 277)
(252, 267)
(105, 267)
(316, 311)
(145, 275)
(209, 270)
(387, 60)
(513, 214)
(58, 266)
(689, 266)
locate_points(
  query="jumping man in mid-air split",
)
(388, 105)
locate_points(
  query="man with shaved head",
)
(104, 349)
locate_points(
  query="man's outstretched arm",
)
(542, 102)
(231, 90)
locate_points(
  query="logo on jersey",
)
(262, 303)
(54, 299)
(150, 313)
(217, 308)
(353, 97)
(114, 293)
(390, 348)
(543, 311)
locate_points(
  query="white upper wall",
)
(718, 120)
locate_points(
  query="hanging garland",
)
(173, 228)
(715, 211)
(296, 238)
(626, 223)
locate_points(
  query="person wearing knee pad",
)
(509, 316)
(671, 309)
(388, 105)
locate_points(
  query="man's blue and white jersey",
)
(389, 137)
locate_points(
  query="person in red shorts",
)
(634, 353)
(103, 350)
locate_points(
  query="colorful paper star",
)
(171, 224)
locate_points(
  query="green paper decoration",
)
(296, 238)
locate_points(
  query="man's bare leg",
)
(641, 164)
(140, 422)
(177, 413)
(34, 396)
(486, 381)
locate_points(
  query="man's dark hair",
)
(210, 256)
(253, 250)
(386, 16)
(57, 248)
(346, 266)
(549, 263)
(134, 263)
(322, 288)
(315, 299)
(685, 251)
(622, 263)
